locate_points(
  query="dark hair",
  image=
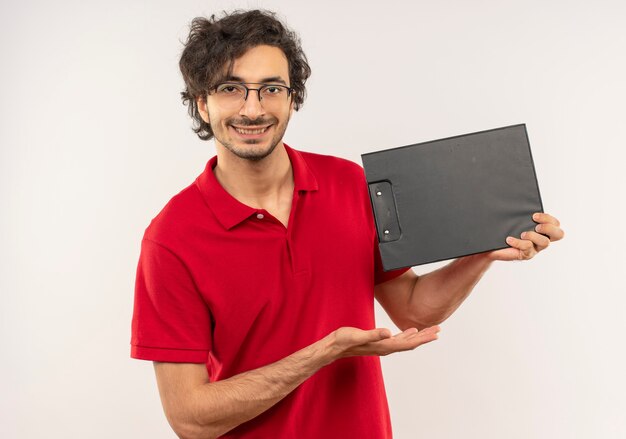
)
(214, 43)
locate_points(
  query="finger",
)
(430, 333)
(377, 334)
(422, 337)
(405, 341)
(434, 328)
(540, 241)
(413, 333)
(505, 254)
(541, 217)
(407, 333)
(386, 347)
(427, 337)
(348, 336)
(526, 248)
(554, 233)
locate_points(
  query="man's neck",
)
(255, 183)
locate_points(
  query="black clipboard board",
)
(452, 197)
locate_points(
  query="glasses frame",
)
(262, 85)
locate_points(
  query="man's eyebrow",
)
(274, 79)
(269, 79)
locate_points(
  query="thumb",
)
(355, 336)
(505, 254)
(378, 334)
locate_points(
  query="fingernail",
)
(523, 235)
(536, 216)
(510, 240)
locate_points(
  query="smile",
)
(251, 131)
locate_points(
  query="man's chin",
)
(254, 151)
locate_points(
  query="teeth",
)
(257, 131)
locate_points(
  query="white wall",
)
(94, 140)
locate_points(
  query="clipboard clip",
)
(385, 213)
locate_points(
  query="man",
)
(256, 283)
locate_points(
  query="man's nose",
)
(252, 107)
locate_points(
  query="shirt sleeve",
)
(171, 321)
(381, 276)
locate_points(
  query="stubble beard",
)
(252, 154)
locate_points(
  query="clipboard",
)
(452, 197)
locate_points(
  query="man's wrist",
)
(325, 350)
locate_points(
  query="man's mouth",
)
(251, 130)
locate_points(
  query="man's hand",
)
(348, 342)
(548, 230)
(197, 408)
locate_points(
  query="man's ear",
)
(202, 109)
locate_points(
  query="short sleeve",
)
(171, 321)
(381, 276)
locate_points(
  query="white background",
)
(94, 141)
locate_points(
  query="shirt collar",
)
(230, 212)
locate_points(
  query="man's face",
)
(252, 129)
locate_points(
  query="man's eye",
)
(229, 89)
(273, 90)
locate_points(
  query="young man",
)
(256, 283)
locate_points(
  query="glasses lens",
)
(231, 94)
(276, 93)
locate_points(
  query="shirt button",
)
(260, 216)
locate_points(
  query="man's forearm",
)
(196, 408)
(212, 409)
(436, 295)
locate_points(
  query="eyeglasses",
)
(234, 94)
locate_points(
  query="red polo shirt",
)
(228, 285)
